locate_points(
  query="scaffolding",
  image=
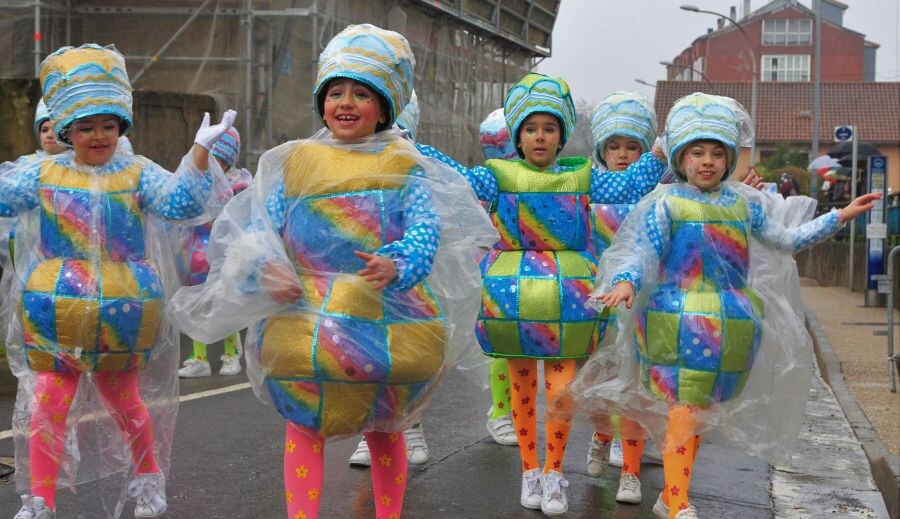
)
(260, 55)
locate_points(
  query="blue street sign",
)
(843, 133)
(876, 230)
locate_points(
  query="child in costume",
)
(717, 345)
(348, 260)
(536, 280)
(195, 267)
(624, 127)
(94, 281)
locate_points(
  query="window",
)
(698, 69)
(787, 32)
(791, 67)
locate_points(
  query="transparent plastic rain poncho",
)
(93, 272)
(717, 322)
(345, 357)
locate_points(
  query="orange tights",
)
(679, 454)
(523, 374)
(632, 443)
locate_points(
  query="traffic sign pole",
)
(876, 230)
(855, 138)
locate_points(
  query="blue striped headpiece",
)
(409, 117)
(537, 93)
(228, 147)
(626, 114)
(85, 81)
(494, 137)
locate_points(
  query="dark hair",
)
(382, 102)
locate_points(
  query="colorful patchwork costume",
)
(700, 319)
(92, 288)
(347, 358)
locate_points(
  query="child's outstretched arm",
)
(480, 178)
(623, 291)
(627, 187)
(792, 240)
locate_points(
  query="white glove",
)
(208, 135)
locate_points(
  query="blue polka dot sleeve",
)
(794, 239)
(655, 240)
(480, 178)
(627, 187)
(414, 253)
(18, 189)
(177, 196)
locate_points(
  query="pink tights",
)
(304, 469)
(53, 394)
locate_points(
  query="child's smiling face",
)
(621, 152)
(704, 163)
(539, 139)
(352, 110)
(95, 138)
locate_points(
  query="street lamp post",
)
(755, 75)
(645, 83)
(691, 68)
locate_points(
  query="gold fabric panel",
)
(351, 295)
(127, 179)
(286, 349)
(417, 350)
(519, 177)
(317, 169)
(345, 407)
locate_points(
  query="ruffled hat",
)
(623, 113)
(409, 117)
(228, 147)
(494, 137)
(40, 115)
(379, 59)
(704, 116)
(537, 93)
(85, 81)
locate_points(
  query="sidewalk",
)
(853, 362)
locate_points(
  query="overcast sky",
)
(600, 46)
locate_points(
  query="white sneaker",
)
(361, 457)
(660, 509)
(531, 489)
(629, 489)
(34, 508)
(194, 368)
(150, 491)
(688, 513)
(501, 429)
(230, 365)
(553, 498)
(598, 457)
(615, 454)
(416, 448)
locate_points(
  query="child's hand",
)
(623, 291)
(658, 150)
(857, 207)
(753, 179)
(208, 134)
(379, 271)
(280, 282)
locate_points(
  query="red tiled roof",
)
(784, 110)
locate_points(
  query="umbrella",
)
(863, 149)
(823, 161)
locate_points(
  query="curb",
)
(885, 466)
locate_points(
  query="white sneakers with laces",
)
(231, 365)
(361, 457)
(660, 509)
(194, 368)
(688, 513)
(416, 448)
(553, 498)
(501, 429)
(597, 457)
(34, 508)
(531, 496)
(629, 489)
(150, 491)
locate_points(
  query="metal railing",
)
(892, 358)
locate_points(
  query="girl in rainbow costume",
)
(536, 281)
(348, 259)
(194, 267)
(93, 275)
(712, 342)
(624, 128)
